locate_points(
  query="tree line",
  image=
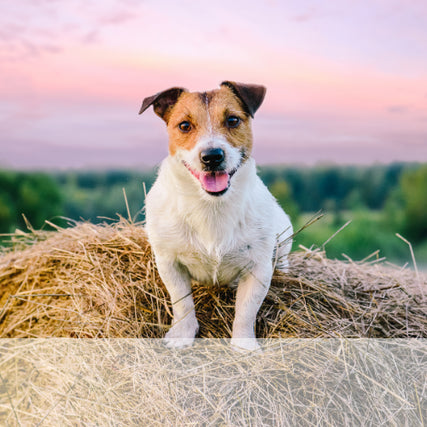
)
(398, 190)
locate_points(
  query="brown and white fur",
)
(209, 217)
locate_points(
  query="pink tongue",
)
(214, 182)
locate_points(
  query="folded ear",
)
(250, 95)
(163, 102)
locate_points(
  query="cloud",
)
(118, 17)
(91, 37)
(303, 17)
(398, 109)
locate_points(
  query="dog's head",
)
(209, 133)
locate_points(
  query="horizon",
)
(346, 83)
(152, 168)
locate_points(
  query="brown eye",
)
(232, 121)
(185, 126)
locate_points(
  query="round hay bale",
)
(101, 281)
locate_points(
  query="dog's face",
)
(209, 133)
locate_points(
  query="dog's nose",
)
(212, 157)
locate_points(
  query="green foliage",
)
(364, 235)
(97, 196)
(282, 192)
(413, 188)
(421, 255)
(347, 186)
(6, 212)
(35, 195)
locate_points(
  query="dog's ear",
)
(162, 102)
(250, 95)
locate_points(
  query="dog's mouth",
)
(214, 183)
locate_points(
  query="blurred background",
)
(343, 127)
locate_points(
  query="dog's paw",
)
(182, 333)
(244, 345)
(178, 342)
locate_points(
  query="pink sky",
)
(346, 80)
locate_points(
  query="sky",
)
(346, 80)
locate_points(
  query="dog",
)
(209, 217)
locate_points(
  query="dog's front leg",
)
(251, 292)
(178, 284)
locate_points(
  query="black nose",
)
(212, 157)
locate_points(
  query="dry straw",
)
(100, 281)
(309, 382)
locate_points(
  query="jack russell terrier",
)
(209, 217)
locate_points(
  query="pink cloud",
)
(118, 17)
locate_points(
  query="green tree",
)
(6, 212)
(413, 188)
(281, 191)
(36, 195)
(7, 203)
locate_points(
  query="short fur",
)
(226, 237)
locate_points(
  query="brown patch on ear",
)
(163, 102)
(250, 95)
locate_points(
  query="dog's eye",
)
(232, 121)
(185, 126)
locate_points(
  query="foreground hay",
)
(116, 382)
(100, 281)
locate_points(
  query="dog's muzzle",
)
(214, 179)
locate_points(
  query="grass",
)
(364, 235)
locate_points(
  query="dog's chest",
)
(217, 264)
(218, 247)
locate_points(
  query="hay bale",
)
(133, 382)
(101, 281)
